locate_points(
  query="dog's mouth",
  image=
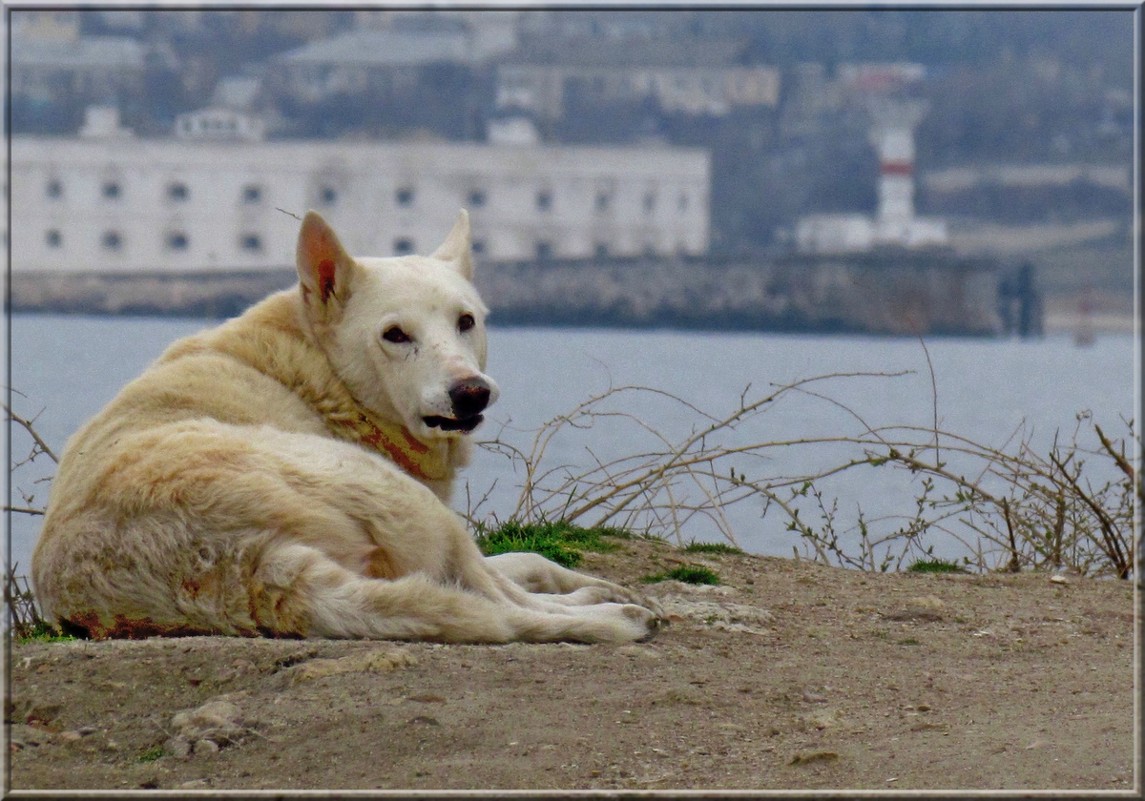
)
(464, 424)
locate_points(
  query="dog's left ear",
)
(324, 267)
(457, 248)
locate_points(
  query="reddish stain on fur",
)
(377, 440)
(123, 627)
(326, 278)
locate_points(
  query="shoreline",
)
(893, 293)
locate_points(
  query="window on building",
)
(478, 246)
(404, 196)
(600, 250)
(544, 250)
(328, 196)
(649, 202)
(55, 189)
(177, 191)
(603, 199)
(177, 240)
(403, 246)
(251, 243)
(476, 198)
(53, 238)
(682, 202)
(112, 190)
(252, 193)
(111, 240)
(544, 200)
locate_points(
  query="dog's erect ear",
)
(324, 267)
(456, 247)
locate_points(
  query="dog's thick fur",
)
(287, 474)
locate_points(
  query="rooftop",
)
(84, 52)
(383, 48)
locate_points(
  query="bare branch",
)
(28, 426)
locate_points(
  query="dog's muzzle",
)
(468, 399)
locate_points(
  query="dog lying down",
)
(287, 474)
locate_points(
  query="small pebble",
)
(205, 747)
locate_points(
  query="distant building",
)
(220, 123)
(877, 77)
(102, 122)
(123, 204)
(512, 129)
(490, 32)
(52, 64)
(60, 25)
(697, 79)
(238, 111)
(359, 60)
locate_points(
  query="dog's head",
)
(406, 334)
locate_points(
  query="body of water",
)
(65, 368)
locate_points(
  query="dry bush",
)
(1009, 506)
(22, 615)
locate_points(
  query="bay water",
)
(994, 392)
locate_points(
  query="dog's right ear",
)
(324, 268)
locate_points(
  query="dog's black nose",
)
(469, 397)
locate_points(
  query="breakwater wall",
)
(890, 293)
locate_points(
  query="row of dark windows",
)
(180, 241)
(177, 241)
(328, 196)
(177, 191)
(174, 241)
(113, 190)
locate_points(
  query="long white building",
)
(116, 203)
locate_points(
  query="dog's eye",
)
(395, 334)
(465, 322)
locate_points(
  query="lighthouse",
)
(893, 123)
(891, 134)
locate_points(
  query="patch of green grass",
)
(41, 632)
(151, 754)
(689, 574)
(711, 547)
(935, 566)
(559, 541)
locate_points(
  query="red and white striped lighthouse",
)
(892, 135)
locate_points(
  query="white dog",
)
(287, 473)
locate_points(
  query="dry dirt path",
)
(787, 676)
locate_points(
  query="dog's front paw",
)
(614, 593)
(652, 605)
(651, 622)
(640, 599)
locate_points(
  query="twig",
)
(1015, 564)
(933, 397)
(24, 510)
(1120, 461)
(28, 426)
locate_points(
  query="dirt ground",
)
(788, 675)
